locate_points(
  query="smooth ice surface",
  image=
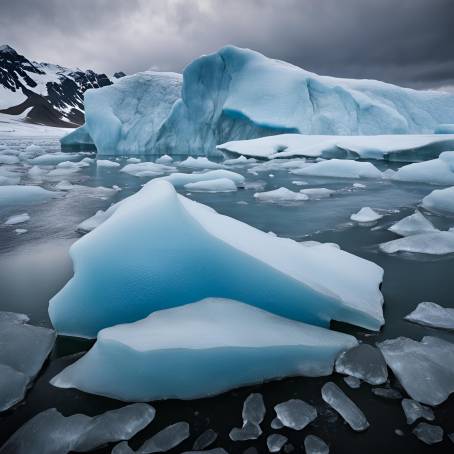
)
(432, 314)
(340, 168)
(13, 385)
(253, 414)
(317, 193)
(365, 215)
(212, 255)
(295, 413)
(107, 163)
(414, 224)
(315, 445)
(275, 442)
(437, 243)
(122, 448)
(414, 410)
(416, 364)
(147, 169)
(399, 147)
(436, 171)
(337, 399)
(200, 163)
(428, 433)
(182, 179)
(440, 201)
(364, 362)
(280, 195)
(14, 195)
(205, 439)
(166, 438)
(219, 185)
(201, 349)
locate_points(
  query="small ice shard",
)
(364, 362)
(13, 385)
(416, 364)
(399, 432)
(17, 219)
(359, 185)
(295, 413)
(276, 423)
(340, 168)
(438, 243)
(353, 382)
(253, 414)
(276, 442)
(20, 231)
(164, 159)
(387, 393)
(166, 439)
(428, 433)
(219, 185)
(337, 399)
(205, 439)
(413, 225)
(200, 163)
(299, 182)
(280, 195)
(440, 201)
(365, 215)
(106, 163)
(317, 193)
(414, 410)
(122, 448)
(433, 315)
(315, 445)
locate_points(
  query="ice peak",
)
(5, 49)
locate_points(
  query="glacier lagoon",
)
(35, 265)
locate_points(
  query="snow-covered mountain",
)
(45, 93)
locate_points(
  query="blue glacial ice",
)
(201, 349)
(159, 249)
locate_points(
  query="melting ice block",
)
(253, 414)
(156, 235)
(341, 169)
(182, 179)
(295, 413)
(219, 185)
(315, 445)
(200, 163)
(436, 243)
(414, 410)
(275, 442)
(428, 433)
(414, 224)
(440, 201)
(280, 195)
(365, 215)
(416, 364)
(201, 349)
(432, 314)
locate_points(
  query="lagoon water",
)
(36, 264)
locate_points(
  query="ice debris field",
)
(213, 264)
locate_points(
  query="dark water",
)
(34, 266)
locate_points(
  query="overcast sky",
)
(409, 42)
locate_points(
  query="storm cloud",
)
(409, 42)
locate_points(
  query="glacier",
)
(127, 267)
(201, 349)
(237, 94)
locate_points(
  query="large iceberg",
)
(440, 201)
(236, 94)
(201, 349)
(159, 249)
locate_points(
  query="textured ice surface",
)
(166, 438)
(315, 445)
(337, 399)
(353, 382)
(13, 317)
(253, 414)
(122, 448)
(340, 168)
(17, 219)
(280, 195)
(219, 185)
(147, 169)
(428, 433)
(437, 243)
(205, 439)
(53, 158)
(436, 171)
(414, 410)
(13, 385)
(49, 432)
(416, 364)
(364, 362)
(212, 255)
(14, 195)
(440, 201)
(387, 393)
(414, 224)
(295, 413)
(432, 314)
(200, 163)
(275, 442)
(97, 219)
(181, 179)
(365, 215)
(208, 343)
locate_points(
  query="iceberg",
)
(433, 315)
(417, 363)
(156, 234)
(219, 185)
(437, 243)
(200, 163)
(365, 215)
(106, 163)
(125, 118)
(341, 169)
(200, 350)
(440, 201)
(414, 224)
(146, 169)
(181, 179)
(280, 195)
(317, 193)
(79, 139)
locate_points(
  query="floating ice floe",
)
(181, 179)
(107, 163)
(217, 337)
(8, 177)
(53, 158)
(37, 172)
(164, 159)
(315, 445)
(414, 410)
(311, 284)
(337, 399)
(365, 362)
(317, 193)
(436, 171)
(200, 163)
(341, 169)
(133, 160)
(437, 243)
(147, 169)
(275, 442)
(20, 231)
(240, 160)
(50, 432)
(218, 185)
(15, 195)
(8, 159)
(253, 414)
(166, 439)
(440, 201)
(414, 224)
(428, 433)
(295, 414)
(433, 315)
(417, 363)
(280, 195)
(365, 215)
(17, 219)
